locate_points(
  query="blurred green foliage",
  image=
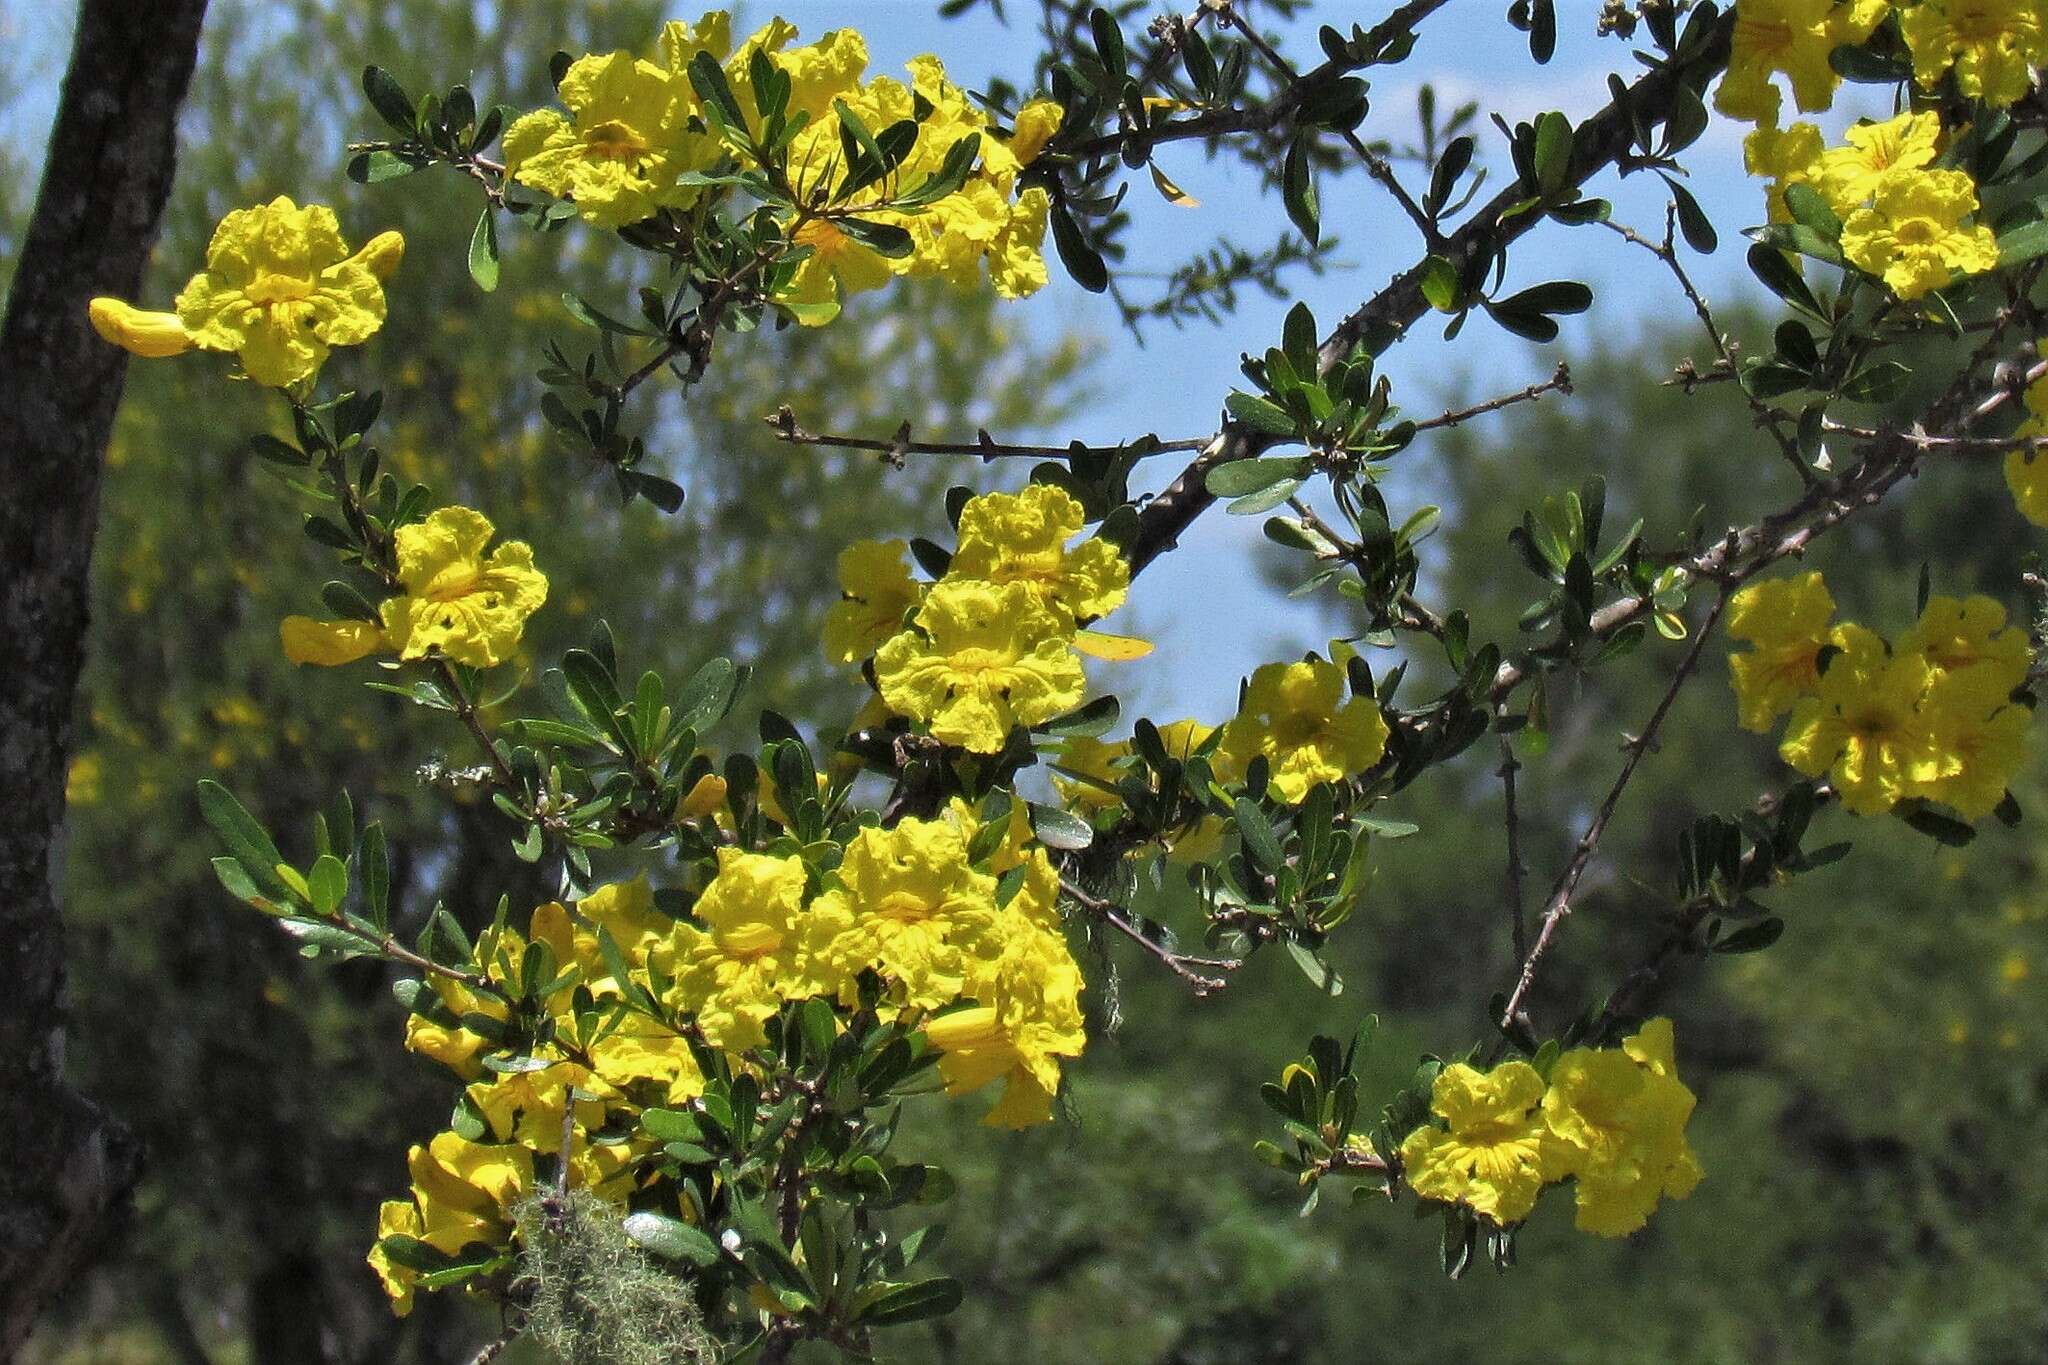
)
(1872, 1089)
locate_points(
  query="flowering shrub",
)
(711, 1045)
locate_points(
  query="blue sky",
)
(1213, 621)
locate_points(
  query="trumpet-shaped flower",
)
(1979, 735)
(914, 910)
(1913, 236)
(1785, 157)
(1850, 175)
(1619, 1115)
(876, 592)
(457, 602)
(1026, 1017)
(1993, 46)
(1969, 633)
(1023, 538)
(1786, 620)
(1792, 38)
(1495, 1153)
(759, 947)
(280, 289)
(1864, 725)
(985, 657)
(1296, 716)
(619, 151)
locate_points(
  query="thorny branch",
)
(1188, 967)
(984, 446)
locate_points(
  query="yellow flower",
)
(1850, 175)
(1495, 1154)
(395, 1218)
(329, 643)
(641, 1052)
(877, 591)
(1620, 1115)
(456, 602)
(1992, 45)
(1864, 725)
(1793, 37)
(526, 1106)
(1787, 621)
(1979, 736)
(1913, 237)
(1027, 1016)
(1969, 633)
(279, 289)
(1022, 538)
(913, 908)
(837, 268)
(984, 658)
(1792, 156)
(1295, 715)
(453, 1045)
(620, 150)
(465, 1190)
(758, 948)
(1037, 122)
(626, 911)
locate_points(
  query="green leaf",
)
(884, 239)
(1260, 414)
(245, 838)
(328, 882)
(374, 168)
(707, 78)
(1692, 220)
(1751, 938)
(1811, 210)
(671, 1238)
(483, 251)
(1240, 477)
(390, 101)
(886, 1305)
(1091, 719)
(1082, 261)
(1556, 296)
(2027, 242)
(1553, 157)
(1440, 284)
(374, 864)
(708, 696)
(1252, 504)
(1261, 844)
(1318, 972)
(1056, 828)
(1298, 190)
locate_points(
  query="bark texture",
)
(67, 1166)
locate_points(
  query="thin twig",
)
(1182, 965)
(786, 429)
(1375, 165)
(1560, 902)
(1560, 382)
(1767, 417)
(1517, 922)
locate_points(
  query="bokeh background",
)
(1874, 1102)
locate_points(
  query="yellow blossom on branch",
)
(1025, 1019)
(1851, 175)
(1912, 236)
(1494, 1153)
(1295, 715)
(876, 593)
(1993, 46)
(1786, 620)
(1791, 38)
(758, 947)
(621, 148)
(1620, 1115)
(1023, 538)
(279, 290)
(1863, 727)
(457, 602)
(1785, 157)
(913, 910)
(983, 658)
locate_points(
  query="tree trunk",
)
(68, 1167)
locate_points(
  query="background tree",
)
(110, 164)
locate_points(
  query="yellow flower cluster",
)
(1991, 46)
(992, 644)
(1933, 717)
(456, 602)
(1902, 220)
(636, 140)
(989, 979)
(1610, 1119)
(279, 290)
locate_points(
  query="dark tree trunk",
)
(67, 1168)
